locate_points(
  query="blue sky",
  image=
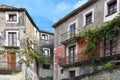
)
(45, 12)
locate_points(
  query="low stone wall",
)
(113, 74)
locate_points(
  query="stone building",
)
(68, 65)
(16, 26)
(45, 70)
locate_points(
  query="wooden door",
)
(11, 61)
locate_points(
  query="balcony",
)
(14, 43)
(48, 60)
(10, 66)
(77, 59)
(69, 36)
(71, 60)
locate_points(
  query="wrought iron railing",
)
(11, 43)
(70, 59)
(69, 34)
(78, 57)
(10, 65)
(48, 59)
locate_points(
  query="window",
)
(11, 17)
(44, 36)
(72, 74)
(46, 51)
(72, 50)
(61, 71)
(12, 39)
(112, 7)
(88, 17)
(72, 29)
(46, 66)
(110, 47)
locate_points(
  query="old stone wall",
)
(104, 75)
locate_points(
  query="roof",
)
(74, 12)
(6, 6)
(10, 8)
(43, 31)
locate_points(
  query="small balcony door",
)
(72, 30)
(110, 46)
(72, 50)
(72, 75)
(11, 58)
(12, 39)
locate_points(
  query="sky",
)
(46, 12)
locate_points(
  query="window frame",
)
(14, 31)
(67, 48)
(72, 74)
(44, 37)
(72, 53)
(112, 15)
(71, 31)
(111, 5)
(68, 28)
(88, 18)
(91, 11)
(48, 51)
(12, 13)
(109, 46)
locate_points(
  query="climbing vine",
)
(104, 32)
(28, 52)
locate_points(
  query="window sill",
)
(11, 21)
(88, 24)
(44, 40)
(110, 14)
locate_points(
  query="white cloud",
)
(61, 7)
(79, 3)
(60, 10)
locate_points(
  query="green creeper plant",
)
(108, 66)
(106, 31)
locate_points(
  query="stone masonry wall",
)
(105, 75)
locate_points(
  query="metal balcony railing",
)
(48, 60)
(11, 43)
(69, 35)
(77, 57)
(69, 59)
(10, 66)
